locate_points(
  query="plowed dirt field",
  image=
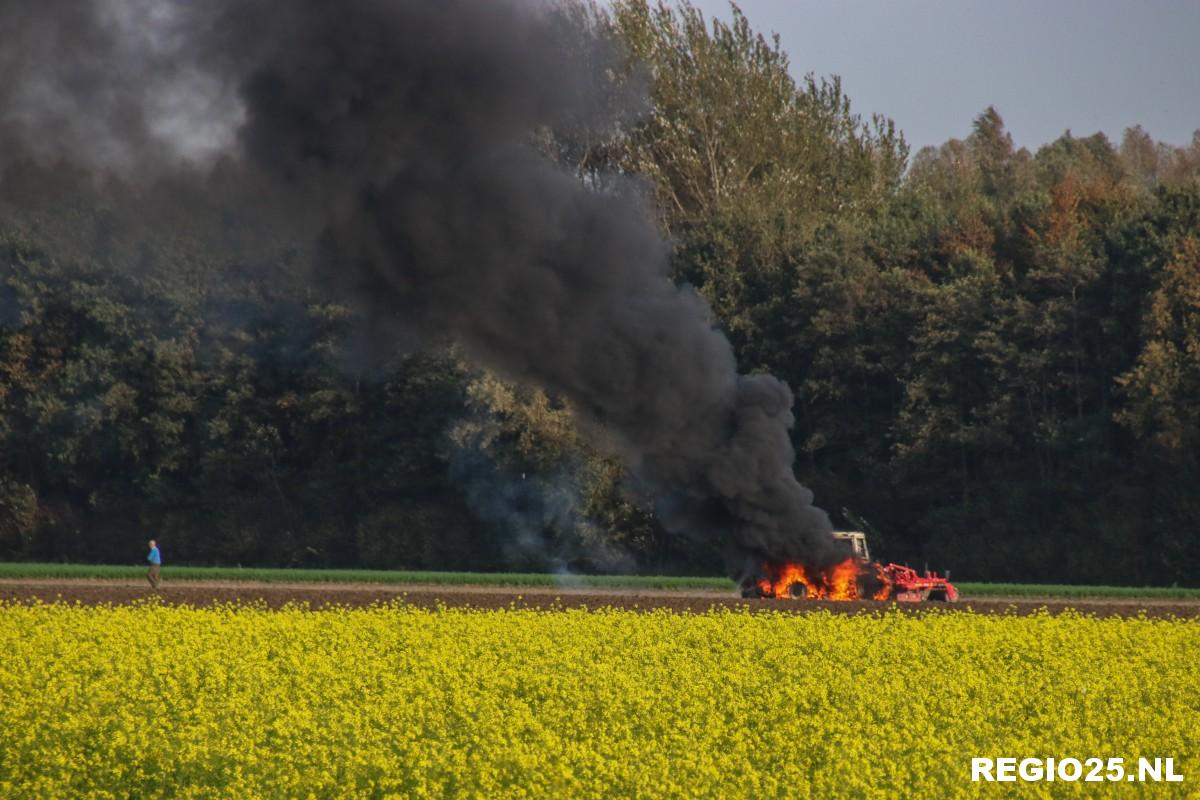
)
(90, 592)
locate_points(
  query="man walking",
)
(155, 565)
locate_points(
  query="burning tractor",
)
(855, 578)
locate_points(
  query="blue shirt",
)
(154, 557)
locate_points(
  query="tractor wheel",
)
(798, 591)
(937, 595)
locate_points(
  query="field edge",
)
(47, 571)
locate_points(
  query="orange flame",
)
(842, 581)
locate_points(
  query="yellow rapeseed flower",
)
(156, 701)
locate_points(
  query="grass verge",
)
(113, 571)
(1057, 591)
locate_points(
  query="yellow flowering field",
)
(242, 701)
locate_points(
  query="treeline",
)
(995, 353)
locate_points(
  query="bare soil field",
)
(316, 595)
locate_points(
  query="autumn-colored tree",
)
(1164, 384)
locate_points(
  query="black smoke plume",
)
(408, 130)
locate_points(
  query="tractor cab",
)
(854, 542)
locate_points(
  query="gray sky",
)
(1046, 65)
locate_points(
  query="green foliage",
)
(18, 514)
(223, 423)
(1165, 381)
(556, 502)
(730, 133)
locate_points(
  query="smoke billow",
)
(408, 128)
